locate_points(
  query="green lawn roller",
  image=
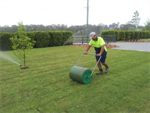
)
(82, 74)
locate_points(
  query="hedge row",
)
(127, 35)
(42, 38)
(5, 43)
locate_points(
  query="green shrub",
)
(132, 34)
(0, 33)
(122, 35)
(53, 38)
(42, 39)
(141, 34)
(5, 42)
(146, 34)
(128, 35)
(137, 35)
(108, 33)
(31, 35)
(149, 34)
(66, 35)
(58, 38)
(117, 33)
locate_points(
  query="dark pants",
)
(104, 55)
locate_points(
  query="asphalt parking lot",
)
(140, 46)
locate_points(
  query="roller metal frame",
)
(95, 65)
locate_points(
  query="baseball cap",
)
(92, 34)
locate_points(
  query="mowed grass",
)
(46, 87)
(145, 40)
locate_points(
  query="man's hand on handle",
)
(85, 52)
(98, 54)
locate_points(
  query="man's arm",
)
(88, 47)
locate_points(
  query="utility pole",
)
(87, 29)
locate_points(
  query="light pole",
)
(87, 29)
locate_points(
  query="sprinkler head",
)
(20, 65)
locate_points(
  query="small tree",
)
(135, 19)
(22, 43)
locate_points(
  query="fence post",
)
(114, 38)
(87, 39)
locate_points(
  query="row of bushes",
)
(42, 38)
(127, 35)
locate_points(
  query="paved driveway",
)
(133, 46)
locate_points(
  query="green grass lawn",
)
(145, 40)
(46, 87)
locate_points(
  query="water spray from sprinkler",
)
(5, 56)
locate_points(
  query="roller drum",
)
(80, 74)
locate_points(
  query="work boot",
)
(107, 69)
(100, 73)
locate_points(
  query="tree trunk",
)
(24, 57)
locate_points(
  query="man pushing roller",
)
(100, 50)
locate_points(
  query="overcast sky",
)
(72, 12)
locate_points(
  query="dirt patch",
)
(85, 45)
(24, 67)
(112, 46)
(132, 41)
(109, 45)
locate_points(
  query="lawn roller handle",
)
(82, 56)
(95, 65)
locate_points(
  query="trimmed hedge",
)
(31, 35)
(127, 35)
(66, 35)
(111, 32)
(122, 35)
(5, 42)
(42, 38)
(58, 38)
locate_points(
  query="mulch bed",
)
(109, 45)
(85, 45)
